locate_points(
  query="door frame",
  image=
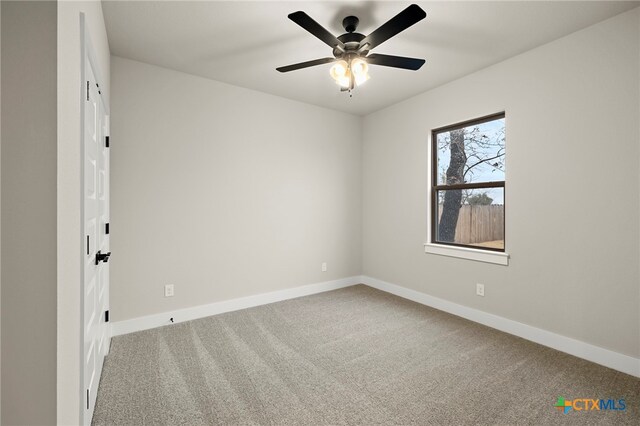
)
(88, 56)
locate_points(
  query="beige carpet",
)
(352, 356)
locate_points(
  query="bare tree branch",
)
(481, 162)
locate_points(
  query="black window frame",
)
(435, 187)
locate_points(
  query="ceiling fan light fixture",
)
(360, 69)
(344, 81)
(341, 74)
(339, 69)
(351, 58)
(359, 66)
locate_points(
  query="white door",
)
(96, 335)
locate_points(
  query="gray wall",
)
(28, 222)
(572, 193)
(0, 219)
(225, 192)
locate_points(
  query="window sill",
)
(498, 258)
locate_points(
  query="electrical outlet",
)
(168, 290)
(480, 289)
(324, 267)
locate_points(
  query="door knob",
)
(104, 257)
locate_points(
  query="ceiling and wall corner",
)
(241, 43)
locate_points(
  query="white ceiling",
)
(241, 42)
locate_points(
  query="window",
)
(468, 181)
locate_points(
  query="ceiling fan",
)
(351, 56)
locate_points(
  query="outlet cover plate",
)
(168, 290)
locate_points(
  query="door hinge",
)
(106, 141)
(87, 245)
(106, 316)
(106, 228)
(87, 90)
(87, 399)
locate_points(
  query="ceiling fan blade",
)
(393, 26)
(306, 64)
(306, 22)
(395, 61)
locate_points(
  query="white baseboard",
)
(608, 358)
(188, 314)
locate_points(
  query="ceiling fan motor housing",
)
(350, 23)
(351, 39)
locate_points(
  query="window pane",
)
(472, 217)
(472, 154)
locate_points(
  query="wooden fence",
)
(479, 224)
